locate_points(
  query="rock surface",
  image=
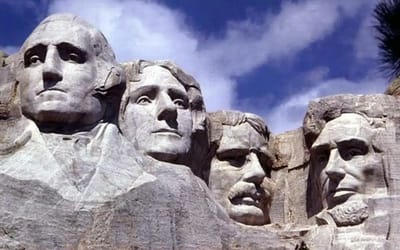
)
(76, 178)
(380, 200)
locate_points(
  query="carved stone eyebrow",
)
(315, 149)
(149, 90)
(232, 152)
(353, 141)
(179, 94)
(359, 143)
(265, 157)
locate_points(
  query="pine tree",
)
(387, 15)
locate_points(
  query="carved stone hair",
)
(234, 118)
(314, 125)
(134, 71)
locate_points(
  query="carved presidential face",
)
(157, 117)
(344, 159)
(58, 78)
(240, 175)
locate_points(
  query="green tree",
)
(387, 15)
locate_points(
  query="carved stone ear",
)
(112, 77)
(10, 106)
(199, 114)
(199, 120)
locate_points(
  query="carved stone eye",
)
(143, 100)
(179, 103)
(351, 152)
(74, 57)
(35, 55)
(34, 59)
(322, 158)
(235, 160)
(70, 53)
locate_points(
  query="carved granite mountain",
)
(345, 172)
(72, 179)
(95, 154)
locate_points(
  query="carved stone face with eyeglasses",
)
(157, 116)
(240, 174)
(57, 81)
(345, 160)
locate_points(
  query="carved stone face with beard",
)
(346, 167)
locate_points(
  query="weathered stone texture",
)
(290, 175)
(382, 199)
(158, 172)
(173, 211)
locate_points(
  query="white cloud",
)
(290, 112)
(150, 30)
(248, 45)
(316, 75)
(365, 44)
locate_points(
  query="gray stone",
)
(4, 69)
(241, 164)
(290, 175)
(368, 208)
(162, 113)
(98, 155)
(71, 180)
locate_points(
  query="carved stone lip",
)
(247, 197)
(244, 193)
(249, 200)
(167, 131)
(342, 190)
(51, 89)
(340, 195)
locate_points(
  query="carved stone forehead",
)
(61, 28)
(157, 75)
(242, 136)
(344, 127)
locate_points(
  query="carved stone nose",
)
(51, 67)
(166, 109)
(334, 168)
(254, 171)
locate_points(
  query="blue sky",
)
(267, 57)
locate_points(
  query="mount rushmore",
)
(100, 154)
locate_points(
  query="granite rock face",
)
(360, 195)
(240, 169)
(290, 174)
(95, 154)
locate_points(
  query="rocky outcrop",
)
(99, 155)
(174, 210)
(371, 224)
